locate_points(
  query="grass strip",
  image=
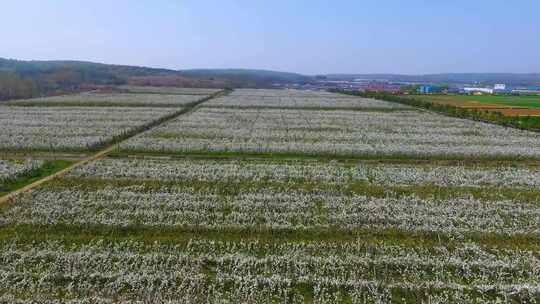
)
(470, 162)
(236, 187)
(317, 156)
(81, 234)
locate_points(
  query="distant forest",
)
(26, 79)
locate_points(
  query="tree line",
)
(12, 86)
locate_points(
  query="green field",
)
(531, 102)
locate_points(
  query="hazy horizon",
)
(307, 37)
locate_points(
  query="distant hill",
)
(255, 74)
(85, 71)
(244, 78)
(23, 79)
(233, 78)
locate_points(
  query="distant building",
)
(527, 90)
(478, 90)
(500, 87)
(426, 89)
(382, 87)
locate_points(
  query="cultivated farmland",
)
(514, 101)
(245, 99)
(506, 105)
(283, 93)
(85, 121)
(335, 133)
(111, 99)
(70, 128)
(266, 196)
(168, 90)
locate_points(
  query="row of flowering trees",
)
(522, 122)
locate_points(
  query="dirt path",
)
(12, 195)
(8, 197)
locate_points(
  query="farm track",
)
(7, 198)
(104, 152)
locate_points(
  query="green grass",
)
(474, 162)
(73, 234)
(521, 101)
(48, 168)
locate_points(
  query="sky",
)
(304, 36)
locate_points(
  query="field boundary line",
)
(102, 153)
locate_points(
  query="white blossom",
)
(326, 172)
(299, 99)
(112, 99)
(66, 128)
(12, 169)
(338, 132)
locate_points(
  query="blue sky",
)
(306, 36)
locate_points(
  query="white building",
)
(479, 90)
(500, 87)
